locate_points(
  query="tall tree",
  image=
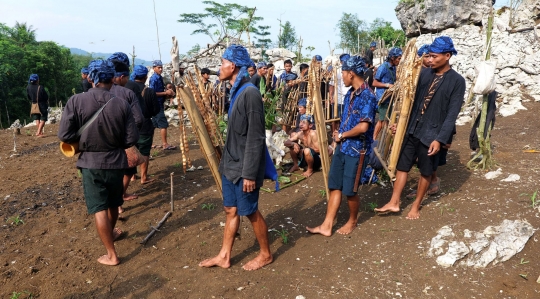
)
(287, 38)
(227, 20)
(353, 33)
(380, 28)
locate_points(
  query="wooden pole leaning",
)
(207, 147)
(320, 123)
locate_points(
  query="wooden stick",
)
(154, 229)
(172, 192)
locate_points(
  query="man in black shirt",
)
(260, 75)
(369, 54)
(149, 108)
(103, 158)
(37, 94)
(437, 103)
(85, 84)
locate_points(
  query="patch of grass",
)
(523, 262)
(447, 208)
(15, 295)
(154, 153)
(322, 193)
(371, 206)
(208, 206)
(79, 173)
(203, 243)
(284, 235)
(28, 133)
(177, 164)
(533, 199)
(15, 220)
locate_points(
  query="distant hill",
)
(77, 51)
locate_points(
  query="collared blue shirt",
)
(156, 83)
(362, 110)
(386, 73)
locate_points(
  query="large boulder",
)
(431, 16)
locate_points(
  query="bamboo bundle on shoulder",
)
(401, 101)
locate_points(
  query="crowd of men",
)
(119, 111)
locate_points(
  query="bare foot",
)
(144, 182)
(258, 262)
(129, 197)
(320, 230)
(387, 208)
(105, 260)
(117, 233)
(216, 261)
(307, 173)
(293, 168)
(347, 228)
(120, 210)
(413, 214)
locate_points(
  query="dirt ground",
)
(52, 252)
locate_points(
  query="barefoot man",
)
(437, 103)
(354, 136)
(304, 147)
(102, 143)
(243, 163)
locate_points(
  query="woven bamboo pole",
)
(207, 147)
(321, 126)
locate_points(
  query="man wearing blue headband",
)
(288, 74)
(37, 95)
(438, 100)
(353, 144)
(86, 85)
(242, 166)
(102, 145)
(384, 79)
(341, 88)
(304, 147)
(423, 52)
(149, 108)
(160, 121)
(260, 75)
(121, 77)
(369, 54)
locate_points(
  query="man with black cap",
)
(102, 144)
(85, 84)
(437, 103)
(242, 166)
(121, 77)
(37, 95)
(369, 54)
(160, 121)
(353, 139)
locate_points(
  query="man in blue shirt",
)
(355, 134)
(384, 79)
(160, 121)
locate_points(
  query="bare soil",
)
(53, 253)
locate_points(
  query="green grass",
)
(371, 206)
(284, 235)
(177, 164)
(523, 262)
(533, 199)
(15, 220)
(208, 206)
(322, 193)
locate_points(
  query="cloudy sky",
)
(118, 25)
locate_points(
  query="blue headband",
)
(395, 52)
(443, 44)
(423, 50)
(318, 57)
(139, 72)
(33, 78)
(84, 70)
(119, 56)
(373, 44)
(261, 64)
(157, 63)
(306, 117)
(344, 57)
(302, 102)
(356, 64)
(100, 70)
(240, 57)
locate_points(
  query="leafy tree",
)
(353, 32)
(20, 56)
(227, 20)
(380, 28)
(287, 37)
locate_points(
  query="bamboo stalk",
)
(321, 126)
(207, 147)
(172, 192)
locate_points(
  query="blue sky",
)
(118, 25)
